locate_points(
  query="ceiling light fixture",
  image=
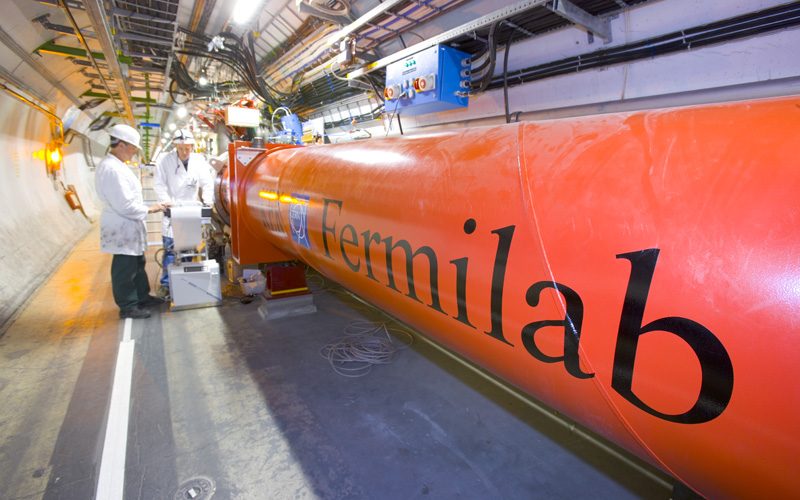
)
(244, 10)
(181, 112)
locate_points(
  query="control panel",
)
(432, 80)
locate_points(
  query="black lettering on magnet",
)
(717, 370)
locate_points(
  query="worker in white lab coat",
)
(181, 178)
(122, 226)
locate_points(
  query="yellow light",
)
(285, 198)
(55, 156)
(268, 195)
(38, 155)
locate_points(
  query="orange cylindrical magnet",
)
(638, 272)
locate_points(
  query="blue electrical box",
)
(292, 129)
(432, 80)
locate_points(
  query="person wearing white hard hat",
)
(181, 178)
(122, 226)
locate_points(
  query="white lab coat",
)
(122, 226)
(180, 186)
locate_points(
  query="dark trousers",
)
(129, 280)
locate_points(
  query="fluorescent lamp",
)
(244, 10)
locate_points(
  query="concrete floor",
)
(250, 405)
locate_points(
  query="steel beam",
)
(578, 16)
(124, 35)
(131, 79)
(147, 69)
(133, 88)
(144, 54)
(67, 51)
(44, 20)
(96, 13)
(106, 96)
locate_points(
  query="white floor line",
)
(126, 329)
(111, 482)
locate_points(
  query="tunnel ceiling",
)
(162, 47)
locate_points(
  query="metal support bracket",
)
(464, 29)
(578, 16)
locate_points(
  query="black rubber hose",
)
(492, 59)
(505, 75)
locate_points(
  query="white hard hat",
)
(125, 133)
(183, 136)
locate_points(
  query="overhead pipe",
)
(636, 272)
(31, 103)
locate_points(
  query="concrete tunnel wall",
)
(37, 226)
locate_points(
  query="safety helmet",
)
(125, 133)
(183, 136)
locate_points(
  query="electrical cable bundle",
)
(232, 51)
(765, 21)
(181, 79)
(482, 73)
(365, 344)
(293, 62)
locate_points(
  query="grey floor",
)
(223, 396)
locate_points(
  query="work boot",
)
(151, 301)
(134, 313)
